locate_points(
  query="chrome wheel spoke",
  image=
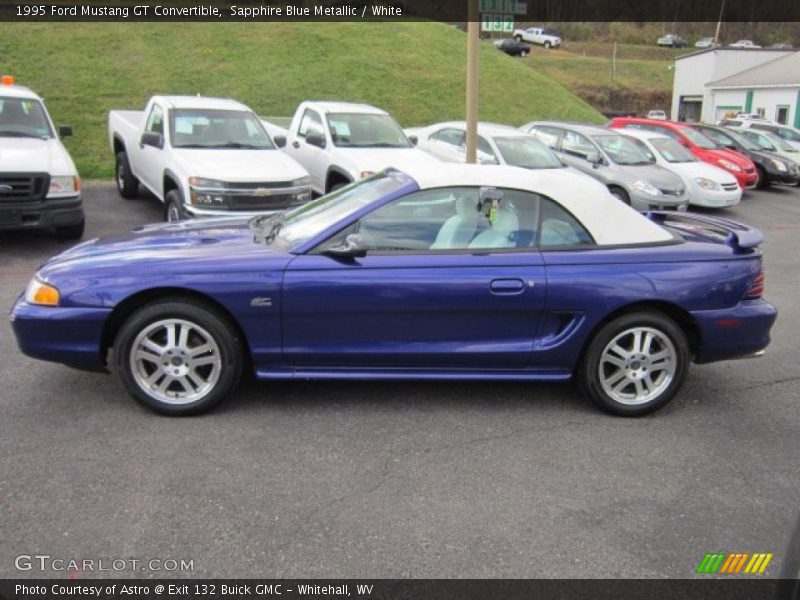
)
(183, 338)
(613, 360)
(198, 351)
(205, 360)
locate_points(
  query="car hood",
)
(740, 160)
(693, 170)
(223, 244)
(377, 159)
(35, 155)
(240, 165)
(655, 175)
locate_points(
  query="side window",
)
(311, 121)
(454, 137)
(559, 228)
(547, 135)
(577, 144)
(717, 136)
(485, 152)
(666, 131)
(155, 120)
(447, 219)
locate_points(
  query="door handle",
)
(295, 144)
(507, 286)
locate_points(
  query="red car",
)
(703, 148)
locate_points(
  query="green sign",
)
(508, 7)
(497, 23)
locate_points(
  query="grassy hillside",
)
(643, 79)
(414, 70)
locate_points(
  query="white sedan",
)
(497, 145)
(708, 185)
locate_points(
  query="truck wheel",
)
(71, 232)
(173, 207)
(337, 186)
(518, 38)
(524, 53)
(620, 194)
(635, 364)
(127, 184)
(178, 357)
(547, 45)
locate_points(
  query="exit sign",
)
(497, 23)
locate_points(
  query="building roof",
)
(780, 72)
(727, 49)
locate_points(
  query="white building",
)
(694, 100)
(771, 89)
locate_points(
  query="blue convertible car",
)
(468, 272)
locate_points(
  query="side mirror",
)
(413, 139)
(152, 138)
(315, 139)
(354, 246)
(64, 131)
(280, 141)
(594, 158)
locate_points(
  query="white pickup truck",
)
(342, 142)
(204, 157)
(39, 185)
(538, 35)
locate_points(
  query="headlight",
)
(39, 292)
(647, 188)
(206, 191)
(303, 181)
(707, 184)
(726, 164)
(781, 166)
(64, 186)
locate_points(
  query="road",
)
(402, 479)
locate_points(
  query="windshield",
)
(304, 222)
(742, 141)
(359, 130)
(621, 150)
(208, 128)
(699, 139)
(780, 143)
(23, 117)
(672, 151)
(527, 152)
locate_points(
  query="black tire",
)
(524, 53)
(620, 194)
(763, 178)
(71, 232)
(547, 45)
(518, 38)
(590, 372)
(223, 332)
(173, 207)
(127, 184)
(337, 186)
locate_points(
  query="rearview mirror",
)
(315, 139)
(280, 141)
(64, 131)
(354, 246)
(152, 138)
(413, 139)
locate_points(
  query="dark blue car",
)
(461, 272)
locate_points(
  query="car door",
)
(149, 160)
(447, 144)
(311, 157)
(450, 280)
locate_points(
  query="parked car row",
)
(673, 40)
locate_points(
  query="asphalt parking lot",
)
(403, 479)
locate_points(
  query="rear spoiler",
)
(737, 235)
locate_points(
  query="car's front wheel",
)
(178, 356)
(635, 364)
(518, 38)
(173, 207)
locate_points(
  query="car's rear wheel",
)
(635, 364)
(547, 45)
(178, 357)
(127, 184)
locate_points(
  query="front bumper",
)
(72, 336)
(790, 177)
(735, 332)
(645, 202)
(746, 181)
(715, 198)
(41, 214)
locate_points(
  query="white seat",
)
(499, 236)
(458, 230)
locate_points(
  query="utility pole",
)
(719, 23)
(473, 29)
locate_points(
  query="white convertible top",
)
(609, 221)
